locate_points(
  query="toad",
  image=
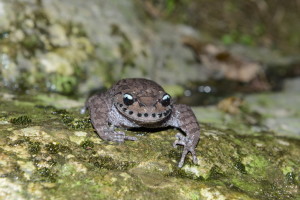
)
(137, 102)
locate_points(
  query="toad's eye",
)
(128, 99)
(166, 100)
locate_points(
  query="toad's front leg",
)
(184, 119)
(99, 106)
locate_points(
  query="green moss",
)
(45, 175)
(48, 107)
(291, 178)
(76, 124)
(262, 166)
(22, 120)
(19, 141)
(287, 169)
(34, 147)
(245, 185)
(87, 145)
(81, 124)
(67, 119)
(240, 167)
(53, 148)
(63, 84)
(106, 162)
(272, 190)
(180, 173)
(52, 162)
(255, 165)
(194, 195)
(31, 42)
(216, 173)
(71, 121)
(174, 154)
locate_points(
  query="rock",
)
(57, 49)
(53, 63)
(52, 157)
(58, 36)
(50, 46)
(292, 85)
(279, 110)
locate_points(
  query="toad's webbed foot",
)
(188, 147)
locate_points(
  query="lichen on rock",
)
(49, 156)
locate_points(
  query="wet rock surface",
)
(48, 152)
(49, 45)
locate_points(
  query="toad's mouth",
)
(144, 117)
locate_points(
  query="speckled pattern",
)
(142, 103)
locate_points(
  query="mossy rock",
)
(58, 160)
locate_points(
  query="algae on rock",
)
(52, 157)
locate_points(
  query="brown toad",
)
(137, 102)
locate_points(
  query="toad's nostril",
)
(141, 104)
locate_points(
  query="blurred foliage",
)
(269, 23)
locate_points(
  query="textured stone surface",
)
(55, 153)
(55, 45)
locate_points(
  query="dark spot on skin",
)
(139, 114)
(165, 113)
(160, 115)
(124, 109)
(121, 105)
(146, 114)
(130, 112)
(153, 115)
